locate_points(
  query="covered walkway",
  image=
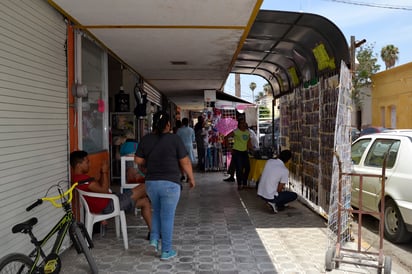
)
(220, 230)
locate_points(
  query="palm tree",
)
(267, 88)
(252, 87)
(389, 55)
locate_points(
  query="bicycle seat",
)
(25, 226)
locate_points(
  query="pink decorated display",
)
(226, 125)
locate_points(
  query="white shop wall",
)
(33, 116)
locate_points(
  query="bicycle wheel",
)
(79, 238)
(15, 263)
(85, 234)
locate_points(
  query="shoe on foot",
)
(282, 207)
(273, 207)
(168, 255)
(230, 179)
(155, 244)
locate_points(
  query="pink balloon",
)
(226, 125)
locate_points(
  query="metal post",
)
(352, 54)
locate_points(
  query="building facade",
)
(392, 97)
(58, 91)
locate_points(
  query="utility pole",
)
(352, 52)
(353, 45)
(237, 85)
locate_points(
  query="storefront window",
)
(93, 106)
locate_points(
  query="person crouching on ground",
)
(274, 177)
(79, 161)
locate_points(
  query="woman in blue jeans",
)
(163, 153)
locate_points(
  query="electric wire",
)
(374, 5)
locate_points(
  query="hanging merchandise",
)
(226, 125)
(213, 140)
(100, 105)
(141, 101)
(122, 101)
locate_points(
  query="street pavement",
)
(221, 230)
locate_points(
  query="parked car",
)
(263, 125)
(370, 130)
(403, 130)
(266, 140)
(355, 133)
(368, 153)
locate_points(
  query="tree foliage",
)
(389, 55)
(267, 88)
(363, 71)
(252, 87)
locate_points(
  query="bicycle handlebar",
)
(52, 200)
(36, 203)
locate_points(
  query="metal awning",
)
(227, 97)
(186, 47)
(289, 49)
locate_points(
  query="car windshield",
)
(263, 127)
(358, 149)
(262, 130)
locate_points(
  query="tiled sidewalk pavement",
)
(223, 231)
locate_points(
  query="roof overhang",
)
(184, 48)
(289, 49)
(227, 97)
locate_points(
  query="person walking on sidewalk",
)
(200, 143)
(274, 177)
(188, 137)
(163, 153)
(231, 168)
(177, 126)
(240, 155)
(231, 172)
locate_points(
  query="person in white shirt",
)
(274, 177)
(253, 139)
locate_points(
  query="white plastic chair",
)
(124, 185)
(123, 180)
(91, 218)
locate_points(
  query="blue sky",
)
(381, 26)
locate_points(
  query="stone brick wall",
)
(308, 118)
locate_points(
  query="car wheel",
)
(395, 229)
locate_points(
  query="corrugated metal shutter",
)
(33, 115)
(152, 95)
